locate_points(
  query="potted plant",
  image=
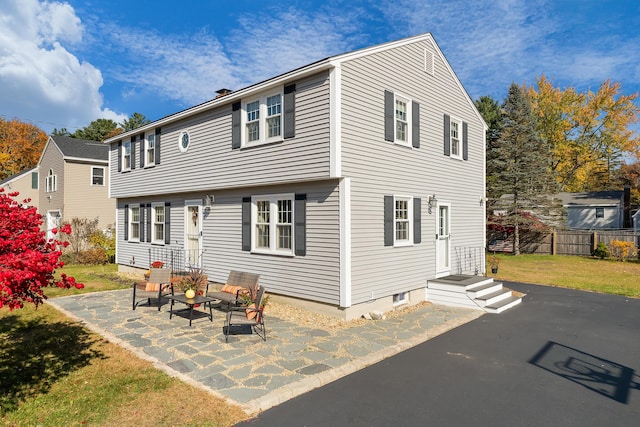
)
(195, 282)
(494, 262)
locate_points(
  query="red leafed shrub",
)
(28, 260)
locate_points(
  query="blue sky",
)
(66, 63)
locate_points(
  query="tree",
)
(98, 130)
(587, 134)
(28, 261)
(519, 163)
(135, 121)
(491, 112)
(20, 146)
(60, 132)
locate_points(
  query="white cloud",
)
(42, 81)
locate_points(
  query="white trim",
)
(152, 221)
(122, 153)
(446, 271)
(409, 103)
(146, 163)
(129, 225)
(180, 137)
(335, 123)
(262, 118)
(345, 242)
(409, 241)
(452, 120)
(273, 220)
(104, 176)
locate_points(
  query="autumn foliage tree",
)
(28, 261)
(20, 146)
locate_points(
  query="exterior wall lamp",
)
(208, 200)
(431, 202)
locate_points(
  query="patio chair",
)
(237, 283)
(158, 284)
(252, 316)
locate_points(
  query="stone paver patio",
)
(247, 371)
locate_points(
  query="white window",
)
(272, 220)
(402, 117)
(184, 140)
(456, 138)
(134, 223)
(150, 150)
(157, 212)
(263, 119)
(97, 175)
(126, 156)
(400, 298)
(51, 183)
(403, 221)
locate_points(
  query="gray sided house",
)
(595, 210)
(73, 182)
(347, 184)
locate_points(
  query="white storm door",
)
(443, 240)
(53, 221)
(193, 233)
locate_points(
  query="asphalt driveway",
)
(562, 358)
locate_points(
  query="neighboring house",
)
(74, 182)
(348, 183)
(25, 183)
(596, 210)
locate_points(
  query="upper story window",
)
(272, 221)
(456, 133)
(263, 119)
(158, 219)
(126, 156)
(134, 223)
(402, 118)
(97, 175)
(184, 140)
(150, 149)
(51, 183)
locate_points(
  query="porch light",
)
(431, 202)
(208, 200)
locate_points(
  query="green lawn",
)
(586, 273)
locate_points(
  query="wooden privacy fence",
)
(564, 242)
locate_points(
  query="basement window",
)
(400, 298)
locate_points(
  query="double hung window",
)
(402, 120)
(126, 155)
(97, 176)
(134, 223)
(456, 128)
(158, 220)
(51, 184)
(272, 221)
(150, 150)
(403, 215)
(263, 119)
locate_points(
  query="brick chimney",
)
(222, 92)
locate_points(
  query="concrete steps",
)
(477, 292)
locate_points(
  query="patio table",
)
(191, 302)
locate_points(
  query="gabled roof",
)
(590, 198)
(17, 175)
(75, 148)
(314, 67)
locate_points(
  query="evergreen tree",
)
(98, 130)
(134, 121)
(491, 112)
(519, 163)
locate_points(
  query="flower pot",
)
(190, 293)
(494, 270)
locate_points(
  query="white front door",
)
(53, 221)
(443, 240)
(193, 233)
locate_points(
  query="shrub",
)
(622, 250)
(601, 251)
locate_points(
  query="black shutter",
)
(119, 156)
(300, 223)
(142, 151)
(417, 221)
(246, 223)
(142, 217)
(465, 142)
(157, 149)
(447, 135)
(149, 217)
(126, 222)
(389, 125)
(167, 223)
(133, 152)
(290, 111)
(235, 125)
(388, 221)
(415, 124)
